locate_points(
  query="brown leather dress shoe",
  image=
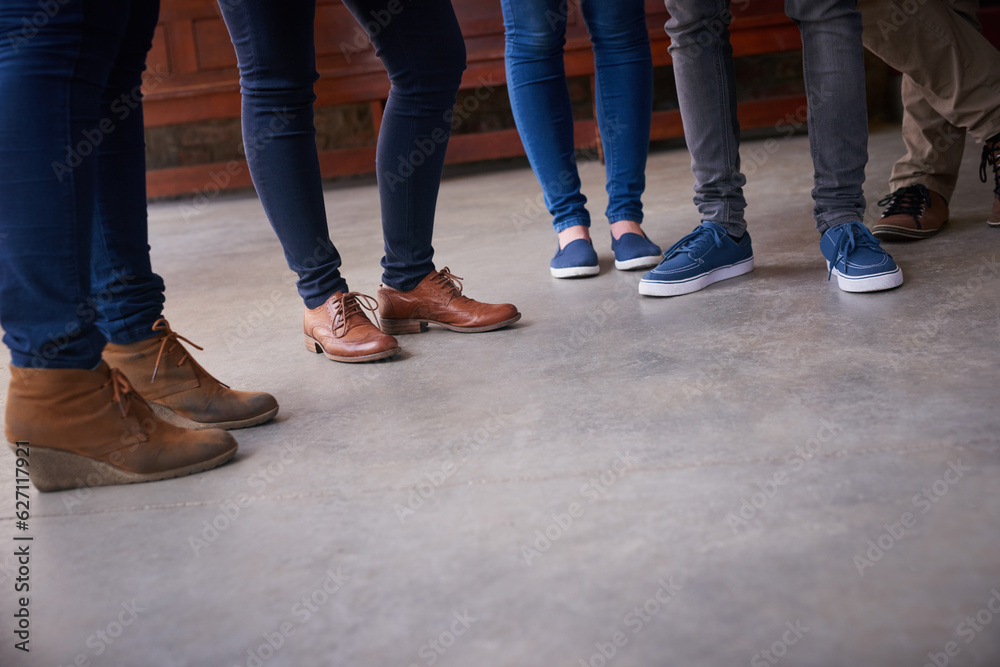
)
(991, 158)
(438, 300)
(80, 428)
(179, 390)
(340, 330)
(911, 213)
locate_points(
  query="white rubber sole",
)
(638, 263)
(876, 283)
(575, 271)
(652, 288)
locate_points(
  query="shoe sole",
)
(312, 345)
(399, 327)
(638, 263)
(893, 233)
(57, 470)
(876, 283)
(652, 288)
(166, 414)
(575, 271)
(993, 223)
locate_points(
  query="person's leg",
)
(934, 147)
(834, 72)
(833, 68)
(941, 50)
(50, 83)
(423, 52)
(78, 421)
(277, 60)
(535, 33)
(624, 101)
(706, 92)
(923, 180)
(127, 296)
(719, 248)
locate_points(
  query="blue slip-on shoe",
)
(635, 251)
(857, 259)
(705, 256)
(578, 259)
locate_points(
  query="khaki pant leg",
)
(934, 147)
(944, 55)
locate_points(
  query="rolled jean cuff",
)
(835, 218)
(735, 228)
(635, 216)
(566, 224)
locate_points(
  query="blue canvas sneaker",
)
(635, 251)
(857, 259)
(576, 260)
(705, 256)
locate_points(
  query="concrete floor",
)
(769, 465)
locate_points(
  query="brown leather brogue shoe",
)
(82, 428)
(340, 330)
(438, 300)
(991, 158)
(179, 390)
(911, 213)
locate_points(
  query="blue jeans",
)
(833, 66)
(73, 243)
(421, 46)
(536, 81)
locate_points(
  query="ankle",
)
(574, 233)
(621, 227)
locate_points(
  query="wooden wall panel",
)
(197, 78)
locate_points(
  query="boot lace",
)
(171, 339)
(448, 281)
(991, 157)
(854, 236)
(912, 200)
(348, 304)
(696, 241)
(121, 391)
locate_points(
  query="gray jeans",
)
(833, 67)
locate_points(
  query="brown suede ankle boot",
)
(81, 428)
(179, 390)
